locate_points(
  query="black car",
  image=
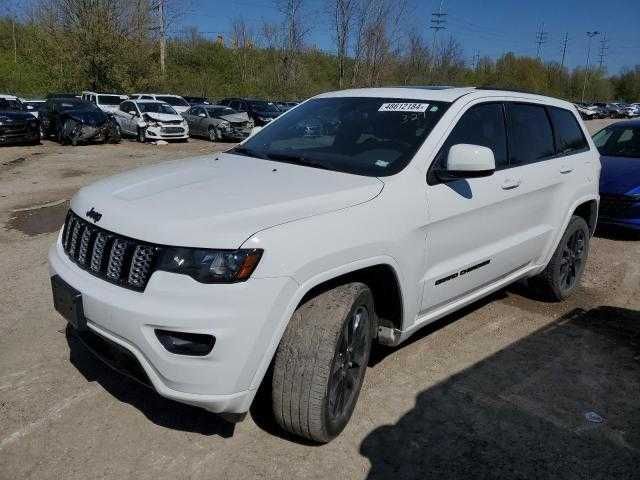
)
(18, 127)
(197, 100)
(72, 120)
(260, 111)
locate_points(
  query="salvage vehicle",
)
(107, 102)
(260, 111)
(217, 122)
(178, 103)
(151, 120)
(294, 254)
(18, 127)
(619, 147)
(74, 121)
(631, 111)
(12, 103)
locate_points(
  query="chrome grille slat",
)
(112, 257)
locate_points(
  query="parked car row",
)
(590, 111)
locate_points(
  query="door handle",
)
(510, 184)
(566, 169)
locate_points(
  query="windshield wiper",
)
(299, 160)
(249, 152)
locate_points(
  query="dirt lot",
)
(511, 387)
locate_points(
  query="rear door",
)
(474, 235)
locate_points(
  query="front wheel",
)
(213, 136)
(142, 135)
(564, 271)
(321, 362)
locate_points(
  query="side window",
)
(530, 134)
(146, 97)
(124, 107)
(196, 111)
(569, 136)
(480, 125)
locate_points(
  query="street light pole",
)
(586, 70)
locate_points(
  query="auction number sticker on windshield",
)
(404, 107)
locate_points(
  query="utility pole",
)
(15, 42)
(565, 40)
(541, 39)
(604, 46)
(586, 70)
(163, 40)
(476, 59)
(438, 22)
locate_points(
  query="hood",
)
(181, 108)
(620, 175)
(218, 201)
(163, 117)
(235, 117)
(109, 108)
(16, 116)
(89, 117)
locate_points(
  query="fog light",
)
(183, 343)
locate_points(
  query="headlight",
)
(211, 266)
(224, 125)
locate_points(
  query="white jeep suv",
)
(358, 216)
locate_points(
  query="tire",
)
(116, 137)
(314, 389)
(142, 135)
(213, 136)
(562, 275)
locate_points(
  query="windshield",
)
(109, 99)
(174, 101)
(263, 106)
(75, 104)
(364, 136)
(156, 108)
(618, 141)
(220, 111)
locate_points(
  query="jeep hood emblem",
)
(94, 215)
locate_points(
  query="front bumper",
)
(242, 317)
(18, 134)
(167, 132)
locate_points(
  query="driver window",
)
(480, 125)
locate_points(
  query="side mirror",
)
(202, 114)
(468, 161)
(133, 112)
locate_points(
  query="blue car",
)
(619, 147)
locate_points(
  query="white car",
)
(151, 120)
(107, 102)
(632, 110)
(299, 251)
(176, 101)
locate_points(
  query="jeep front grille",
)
(112, 257)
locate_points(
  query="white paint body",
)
(315, 225)
(155, 130)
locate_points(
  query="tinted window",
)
(156, 107)
(196, 111)
(109, 99)
(173, 101)
(480, 125)
(569, 136)
(364, 136)
(619, 141)
(530, 134)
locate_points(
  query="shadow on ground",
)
(159, 410)
(614, 232)
(525, 412)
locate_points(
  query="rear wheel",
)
(321, 362)
(565, 269)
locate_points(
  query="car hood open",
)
(218, 201)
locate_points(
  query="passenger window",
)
(569, 136)
(530, 134)
(480, 125)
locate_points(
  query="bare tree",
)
(243, 41)
(341, 13)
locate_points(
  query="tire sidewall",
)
(332, 426)
(213, 136)
(576, 223)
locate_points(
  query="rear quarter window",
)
(569, 136)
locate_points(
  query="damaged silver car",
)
(217, 122)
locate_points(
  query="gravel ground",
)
(511, 387)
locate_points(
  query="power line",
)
(541, 38)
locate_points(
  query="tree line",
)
(114, 45)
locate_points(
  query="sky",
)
(489, 27)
